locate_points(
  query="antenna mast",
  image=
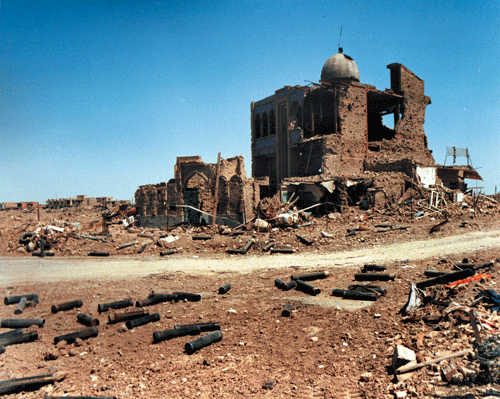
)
(340, 35)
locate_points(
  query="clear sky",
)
(99, 97)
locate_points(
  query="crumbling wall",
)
(151, 199)
(410, 140)
(352, 116)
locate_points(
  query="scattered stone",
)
(402, 356)
(51, 354)
(78, 342)
(366, 377)
(61, 344)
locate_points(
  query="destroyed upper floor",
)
(337, 128)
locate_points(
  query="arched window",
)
(256, 126)
(272, 122)
(265, 130)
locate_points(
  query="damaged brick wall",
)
(410, 141)
(150, 199)
(352, 116)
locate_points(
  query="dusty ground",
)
(322, 351)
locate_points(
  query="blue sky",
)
(99, 97)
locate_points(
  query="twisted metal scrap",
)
(488, 355)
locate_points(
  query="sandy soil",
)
(328, 348)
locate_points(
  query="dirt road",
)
(34, 270)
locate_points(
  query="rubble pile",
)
(276, 226)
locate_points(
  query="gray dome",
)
(339, 67)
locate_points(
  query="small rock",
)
(61, 344)
(59, 376)
(78, 342)
(72, 352)
(231, 311)
(123, 328)
(314, 339)
(51, 354)
(206, 362)
(269, 384)
(366, 377)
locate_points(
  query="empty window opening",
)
(256, 126)
(265, 130)
(272, 122)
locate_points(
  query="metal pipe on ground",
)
(167, 252)
(19, 339)
(374, 277)
(21, 323)
(352, 294)
(159, 336)
(21, 306)
(66, 306)
(87, 320)
(446, 279)
(25, 384)
(141, 250)
(142, 320)
(188, 296)
(82, 334)
(117, 317)
(125, 303)
(9, 300)
(211, 326)
(2, 349)
(155, 299)
(310, 276)
(307, 288)
(201, 342)
(225, 288)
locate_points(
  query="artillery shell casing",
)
(142, 320)
(307, 288)
(102, 307)
(98, 254)
(87, 320)
(225, 288)
(9, 300)
(186, 295)
(279, 284)
(288, 286)
(82, 334)
(21, 306)
(287, 310)
(201, 342)
(203, 326)
(374, 277)
(11, 333)
(155, 299)
(21, 323)
(374, 268)
(24, 384)
(66, 306)
(117, 317)
(159, 336)
(310, 276)
(19, 339)
(352, 294)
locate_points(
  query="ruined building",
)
(324, 143)
(200, 186)
(334, 133)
